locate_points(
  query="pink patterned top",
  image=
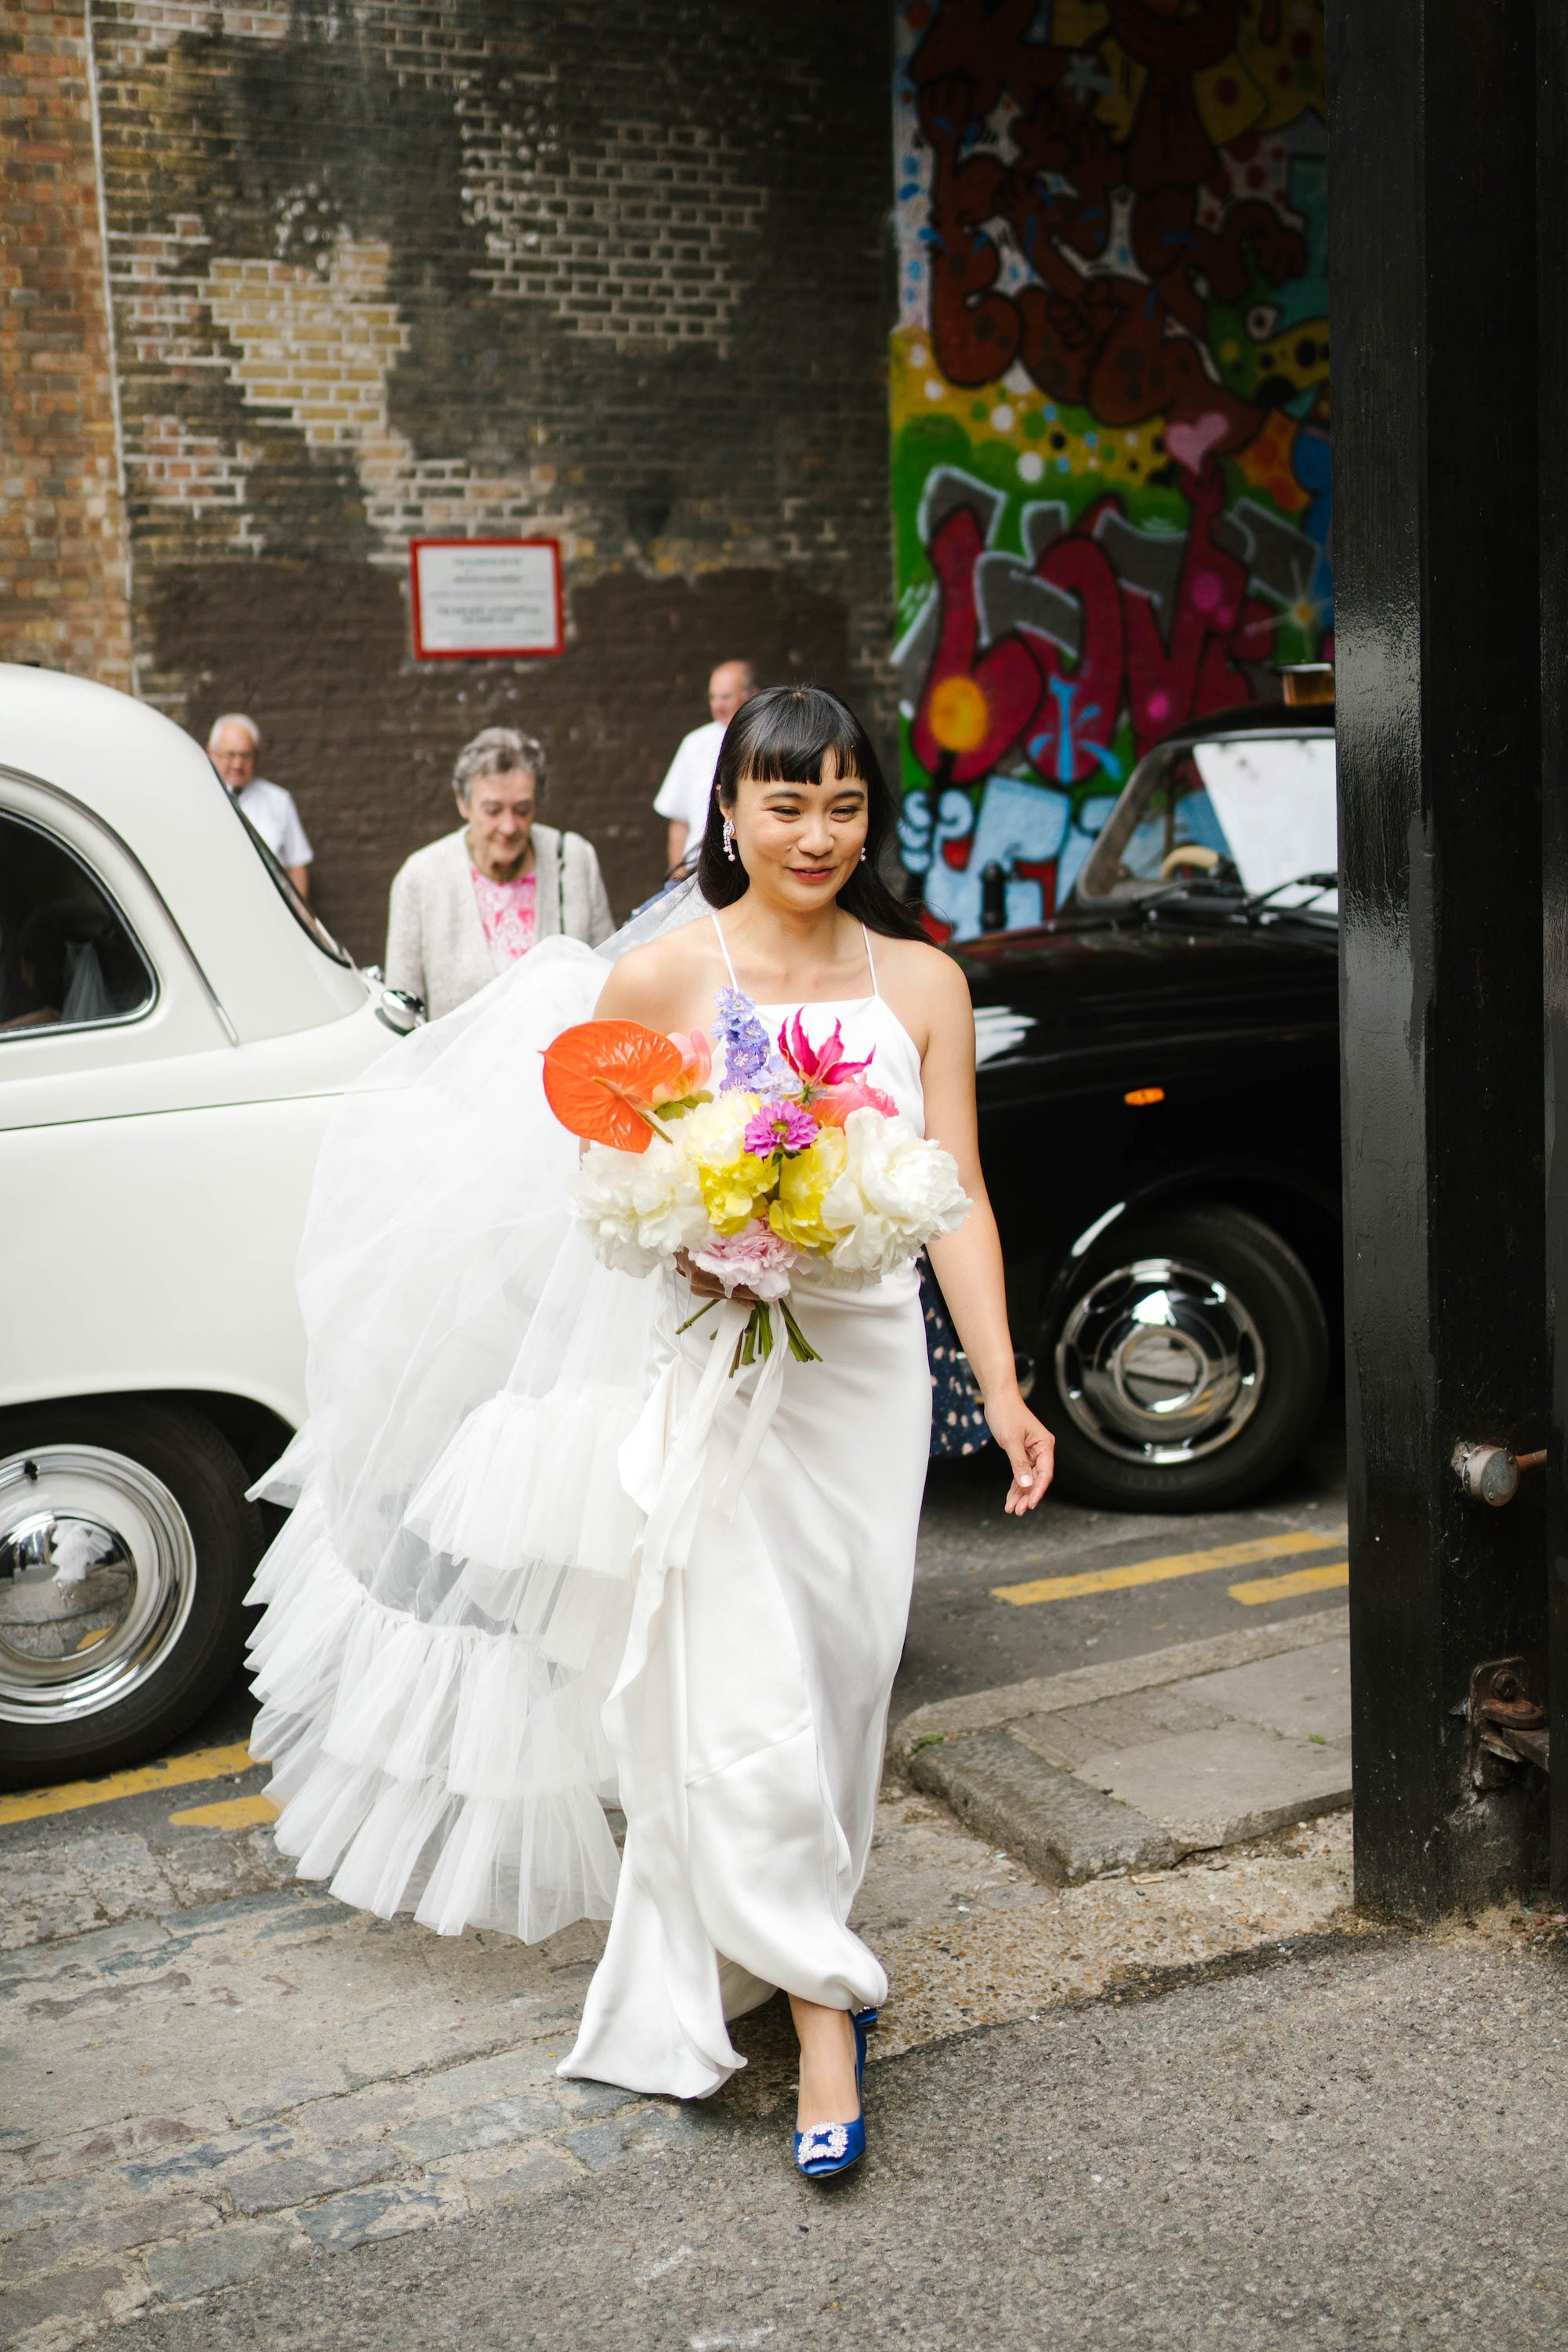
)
(509, 912)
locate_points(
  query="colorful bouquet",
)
(797, 1157)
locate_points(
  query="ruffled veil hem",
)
(446, 1607)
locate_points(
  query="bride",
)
(547, 1556)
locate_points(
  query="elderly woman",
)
(466, 907)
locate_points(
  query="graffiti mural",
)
(1109, 409)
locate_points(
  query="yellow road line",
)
(228, 1814)
(1159, 1572)
(1284, 1588)
(174, 1773)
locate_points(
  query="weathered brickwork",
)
(63, 597)
(629, 239)
(618, 273)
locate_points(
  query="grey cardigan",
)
(435, 941)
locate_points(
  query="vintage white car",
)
(175, 1025)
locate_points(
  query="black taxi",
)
(1159, 1099)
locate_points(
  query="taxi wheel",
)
(1188, 1364)
(126, 1549)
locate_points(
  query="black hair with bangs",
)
(782, 736)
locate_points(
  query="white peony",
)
(714, 1134)
(897, 1190)
(638, 1208)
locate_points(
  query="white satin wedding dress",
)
(548, 1555)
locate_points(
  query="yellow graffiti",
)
(1280, 45)
(1041, 439)
(1275, 74)
(959, 714)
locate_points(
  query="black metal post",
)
(1432, 259)
(1551, 279)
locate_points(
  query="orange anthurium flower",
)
(602, 1078)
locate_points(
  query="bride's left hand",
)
(1029, 1447)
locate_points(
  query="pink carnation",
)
(754, 1259)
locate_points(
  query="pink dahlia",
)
(780, 1126)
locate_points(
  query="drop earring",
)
(862, 853)
(729, 839)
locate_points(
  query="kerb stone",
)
(1063, 1831)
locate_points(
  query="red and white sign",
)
(485, 599)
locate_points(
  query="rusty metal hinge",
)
(1508, 1714)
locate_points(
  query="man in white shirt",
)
(686, 790)
(232, 747)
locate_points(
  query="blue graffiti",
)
(1069, 749)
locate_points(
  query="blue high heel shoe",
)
(828, 2149)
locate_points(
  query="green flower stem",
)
(800, 1347)
(755, 1341)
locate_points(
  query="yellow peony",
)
(733, 1181)
(803, 1182)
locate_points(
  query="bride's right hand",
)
(708, 1285)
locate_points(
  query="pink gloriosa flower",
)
(819, 1066)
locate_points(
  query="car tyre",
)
(153, 1499)
(1260, 1325)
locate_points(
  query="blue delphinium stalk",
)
(748, 1048)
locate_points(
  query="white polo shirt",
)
(272, 812)
(684, 795)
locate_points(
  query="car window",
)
(1245, 812)
(1177, 816)
(1275, 796)
(67, 958)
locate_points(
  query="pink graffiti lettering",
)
(1023, 693)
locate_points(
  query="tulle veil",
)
(455, 1577)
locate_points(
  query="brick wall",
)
(62, 540)
(618, 273)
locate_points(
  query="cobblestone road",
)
(211, 2075)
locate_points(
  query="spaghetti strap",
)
(730, 966)
(724, 950)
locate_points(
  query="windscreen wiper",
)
(1206, 892)
(1261, 899)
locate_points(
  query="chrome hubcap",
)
(98, 1572)
(1160, 1362)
